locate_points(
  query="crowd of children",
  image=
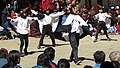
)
(46, 60)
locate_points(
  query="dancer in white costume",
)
(46, 25)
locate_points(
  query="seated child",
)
(63, 63)
(3, 57)
(14, 60)
(42, 61)
(51, 53)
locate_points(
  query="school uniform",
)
(72, 19)
(101, 24)
(84, 27)
(46, 26)
(22, 29)
(84, 30)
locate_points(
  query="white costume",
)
(50, 19)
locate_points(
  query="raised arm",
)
(34, 12)
(106, 14)
(82, 22)
(15, 20)
(57, 14)
(69, 19)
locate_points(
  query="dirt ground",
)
(86, 49)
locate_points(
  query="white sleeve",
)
(57, 14)
(15, 20)
(69, 19)
(80, 19)
(32, 18)
(34, 12)
(82, 22)
(107, 15)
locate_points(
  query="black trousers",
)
(23, 40)
(74, 42)
(47, 30)
(101, 25)
(85, 32)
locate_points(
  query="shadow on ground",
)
(109, 40)
(48, 45)
(43, 46)
(32, 52)
(83, 58)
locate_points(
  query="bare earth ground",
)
(86, 49)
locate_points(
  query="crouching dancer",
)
(101, 16)
(45, 25)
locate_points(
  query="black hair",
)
(88, 66)
(3, 53)
(40, 15)
(14, 59)
(48, 11)
(99, 56)
(63, 63)
(50, 52)
(14, 55)
(43, 60)
(106, 64)
(73, 7)
(23, 16)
